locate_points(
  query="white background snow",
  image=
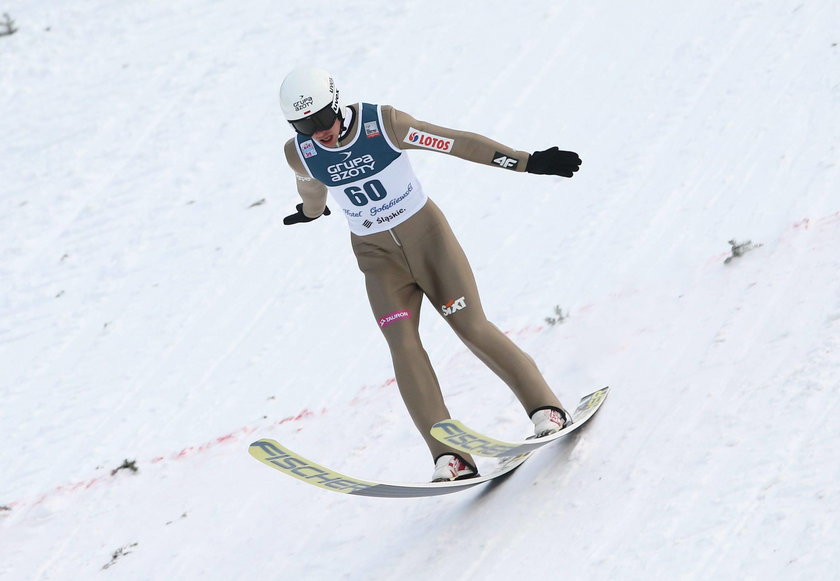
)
(150, 311)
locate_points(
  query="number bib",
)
(370, 179)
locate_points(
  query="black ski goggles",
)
(321, 120)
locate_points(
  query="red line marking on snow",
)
(189, 451)
(807, 223)
(525, 331)
(802, 225)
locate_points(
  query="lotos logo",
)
(454, 306)
(393, 318)
(427, 140)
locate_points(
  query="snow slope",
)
(154, 308)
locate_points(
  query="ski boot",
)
(550, 420)
(449, 467)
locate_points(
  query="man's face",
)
(328, 137)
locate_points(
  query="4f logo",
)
(454, 306)
(504, 161)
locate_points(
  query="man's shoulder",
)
(289, 149)
(386, 110)
(395, 123)
(292, 157)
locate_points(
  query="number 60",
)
(374, 189)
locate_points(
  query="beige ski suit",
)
(418, 257)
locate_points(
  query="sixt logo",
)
(427, 140)
(454, 306)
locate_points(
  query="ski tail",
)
(280, 458)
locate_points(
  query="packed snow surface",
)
(156, 316)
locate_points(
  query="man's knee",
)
(471, 329)
(402, 338)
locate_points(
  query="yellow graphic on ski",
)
(272, 454)
(460, 437)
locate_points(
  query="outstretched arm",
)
(408, 133)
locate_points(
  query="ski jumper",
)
(406, 250)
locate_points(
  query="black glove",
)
(299, 217)
(554, 162)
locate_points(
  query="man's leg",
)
(395, 300)
(444, 273)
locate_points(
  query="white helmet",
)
(309, 99)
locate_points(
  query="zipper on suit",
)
(394, 236)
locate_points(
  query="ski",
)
(457, 435)
(272, 454)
